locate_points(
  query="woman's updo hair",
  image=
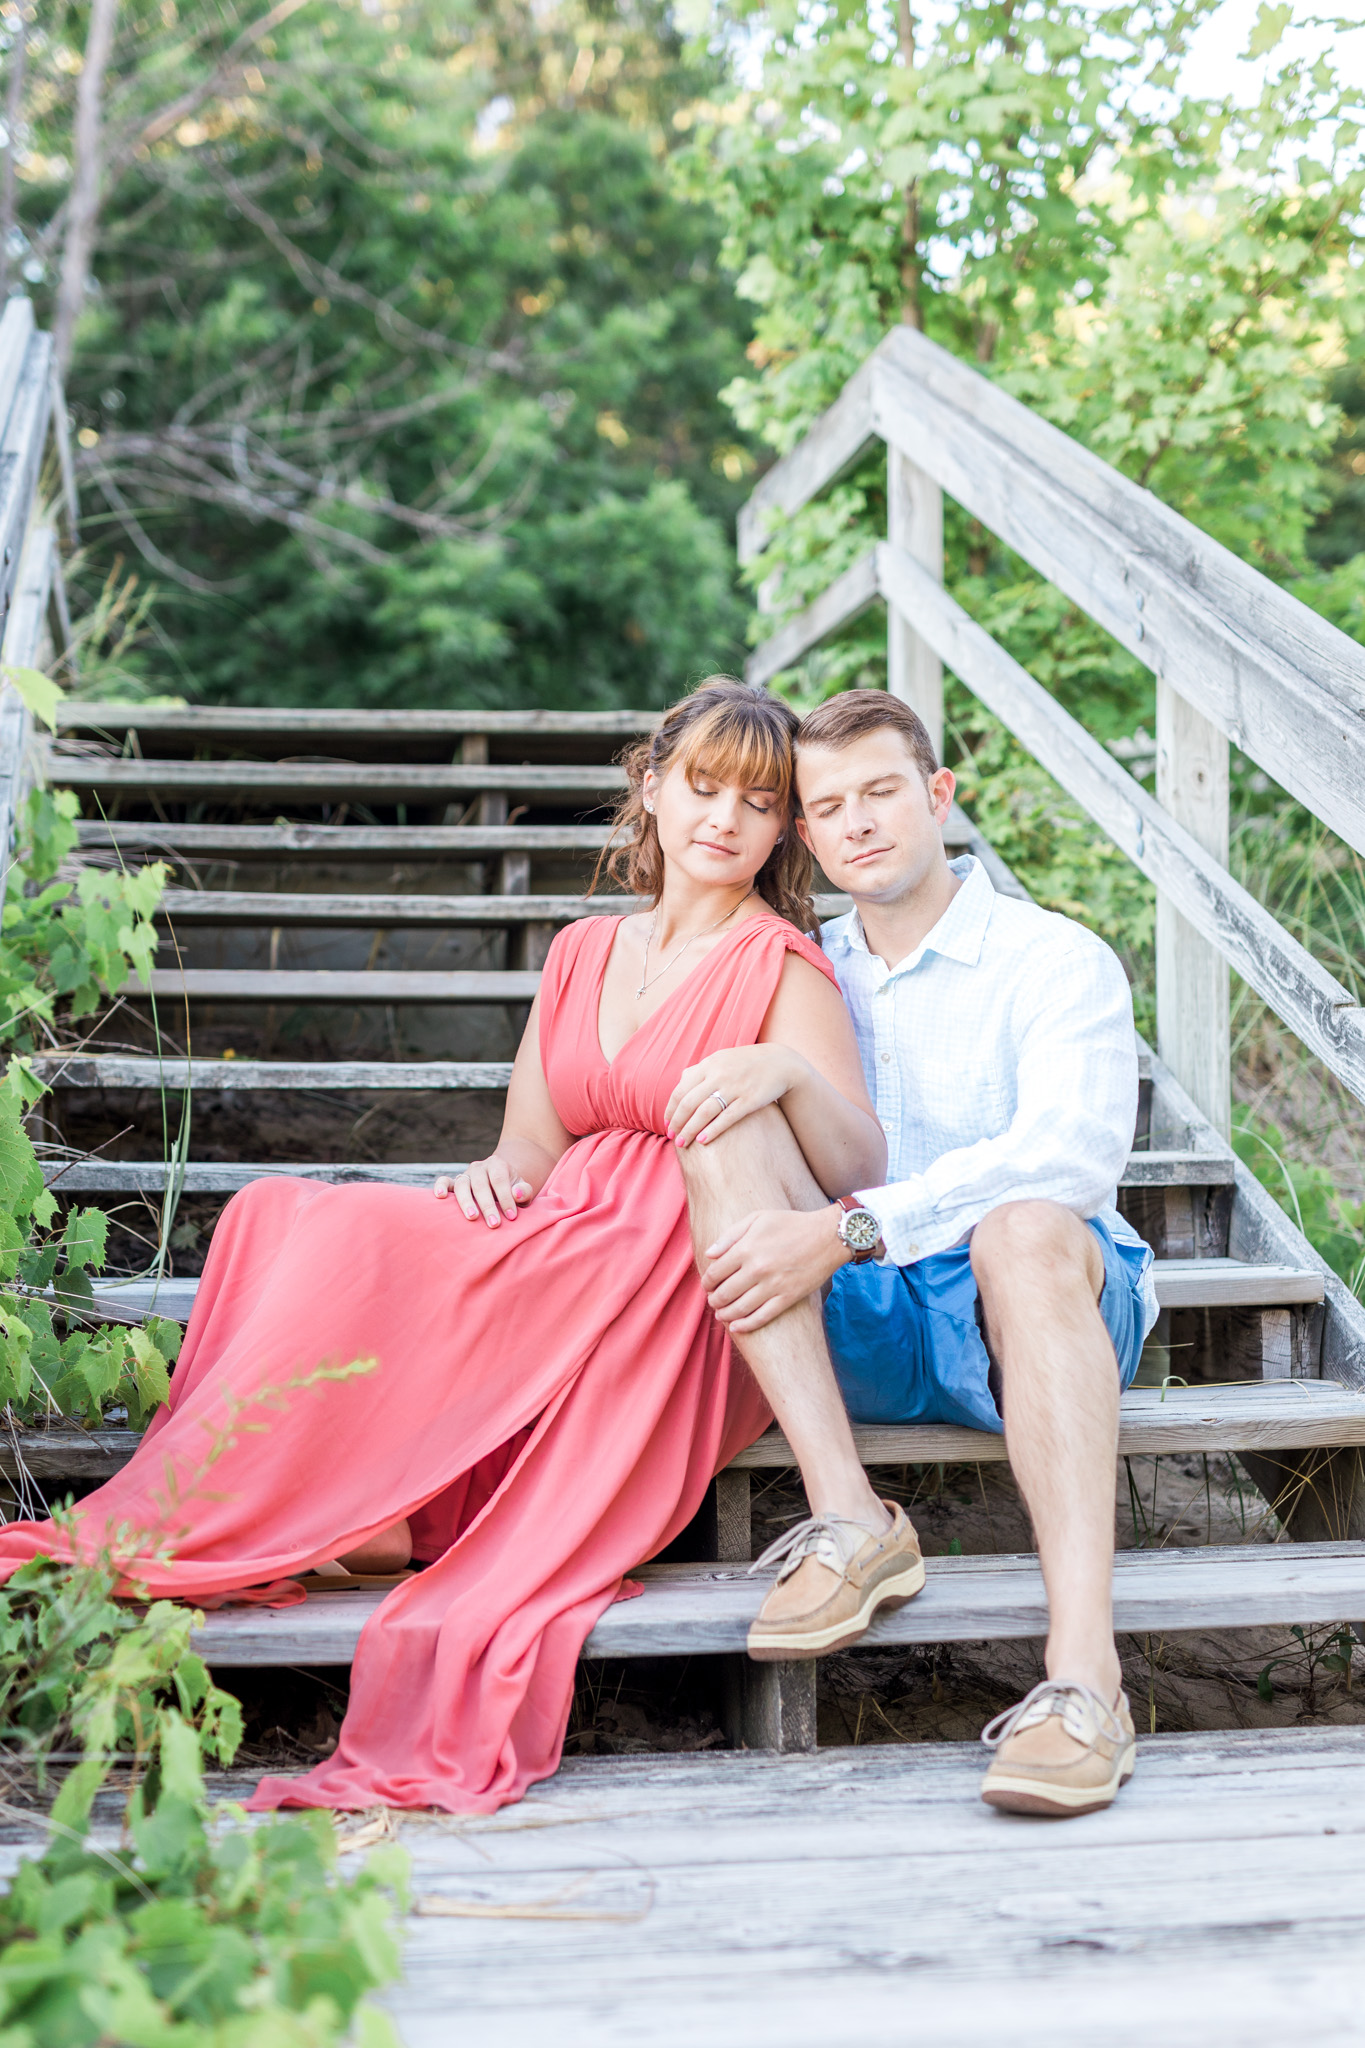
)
(738, 734)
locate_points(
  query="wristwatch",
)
(859, 1231)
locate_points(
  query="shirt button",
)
(886, 1058)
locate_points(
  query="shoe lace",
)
(1054, 1693)
(820, 1537)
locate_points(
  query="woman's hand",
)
(485, 1188)
(725, 1087)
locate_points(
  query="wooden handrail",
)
(1282, 684)
(1309, 1000)
(1236, 659)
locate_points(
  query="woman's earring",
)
(649, 807)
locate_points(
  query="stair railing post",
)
(914, 522)
(1192, 1014)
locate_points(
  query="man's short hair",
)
(841, 720)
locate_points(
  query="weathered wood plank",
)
(226, 1177)
(1277, 1414)
(218, 1177)
(402, 782)
(1192, 995)
(914, 523)
(1178, 1170)
(21, 454)
(688, 1610)
(16, 332)
(370, 842)
(1262, 1413)
(333, 985)
(1308, 999)
(1193, 1283)
(1228, 1283)
(264, 906)
(117, 1070)
(835, 441)
(269, 907)
(253, 721)
(849, 595)
(340, 842)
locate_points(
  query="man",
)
(991, 1282)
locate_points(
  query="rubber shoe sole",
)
(1057, 1802)
(784, 1649)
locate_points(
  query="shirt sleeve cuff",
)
(906, 1216)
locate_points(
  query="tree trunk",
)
(911, 312)
(87, 146)
(14, 113)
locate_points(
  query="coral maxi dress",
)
(550, 1402)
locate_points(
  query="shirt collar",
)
(959, 934)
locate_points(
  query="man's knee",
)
(1035, 1244)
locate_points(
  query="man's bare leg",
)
(1040, 1274)
(759, 1165)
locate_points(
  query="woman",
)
(546, 1394)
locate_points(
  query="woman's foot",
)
(389, 1551)
(835, 1574)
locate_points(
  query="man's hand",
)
(725, 1087)
(768, 1262)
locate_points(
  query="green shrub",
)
(65, 945)
(199, 1931)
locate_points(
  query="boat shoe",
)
(1061, 1751)
(874, 1571)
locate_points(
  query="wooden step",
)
(225, 1177)
(182, 907)
(117, 1070)
(1153, 1421)
(367, 842)
(705, 1610)
(392, 782)
(1180, 1283)
(340, 842)
(1259, 1415)
(217, 1177)
(200, 722)
(1233, 1283)
(333, 985)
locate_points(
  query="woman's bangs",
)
(740, 749)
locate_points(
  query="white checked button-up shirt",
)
(1001, 1058)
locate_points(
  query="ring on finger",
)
(720, 1098)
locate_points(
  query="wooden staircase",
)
(362, 903)
(367, 947)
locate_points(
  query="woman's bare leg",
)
(389, 1551)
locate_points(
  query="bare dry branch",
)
(84, 201)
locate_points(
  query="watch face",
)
(860, 1230)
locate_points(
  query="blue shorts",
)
(907, 1343)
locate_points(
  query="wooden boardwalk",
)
(864, 1896)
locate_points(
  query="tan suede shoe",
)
(1060, 1752)
(874, 1571)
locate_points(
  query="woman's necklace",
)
(646, 979)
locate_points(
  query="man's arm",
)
(1072, 1128)
(1076, 1105)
